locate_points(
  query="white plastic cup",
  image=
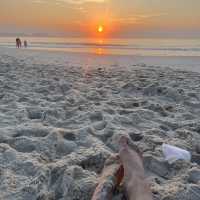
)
(173, 153)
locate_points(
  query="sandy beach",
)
(61, 116)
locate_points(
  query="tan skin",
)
(131, 170)
(136, 186)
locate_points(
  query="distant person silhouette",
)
(18, 43)
(25, 44)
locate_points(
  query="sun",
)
(100, 29)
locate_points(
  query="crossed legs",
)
(128, 166)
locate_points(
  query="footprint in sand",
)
(96, 116)
(98, 120)
(35, 113)
(24, 144)
(35, 131)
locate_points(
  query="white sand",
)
(61, 115)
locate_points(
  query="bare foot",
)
(130, 155)
(134, 179)
(123, 141)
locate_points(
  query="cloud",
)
(75, 2)
(39, 1)
(138, 19)
(81, 1)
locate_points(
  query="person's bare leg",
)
(111, 177)
(137, 188)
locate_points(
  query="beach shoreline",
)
(185, 63)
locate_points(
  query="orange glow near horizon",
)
(100, 28)
(100, 18)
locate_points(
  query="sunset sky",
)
(119, 18)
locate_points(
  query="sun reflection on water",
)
(100, 48)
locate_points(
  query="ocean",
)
(137, 47)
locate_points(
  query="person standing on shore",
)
(25, 44)
(18, 43)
